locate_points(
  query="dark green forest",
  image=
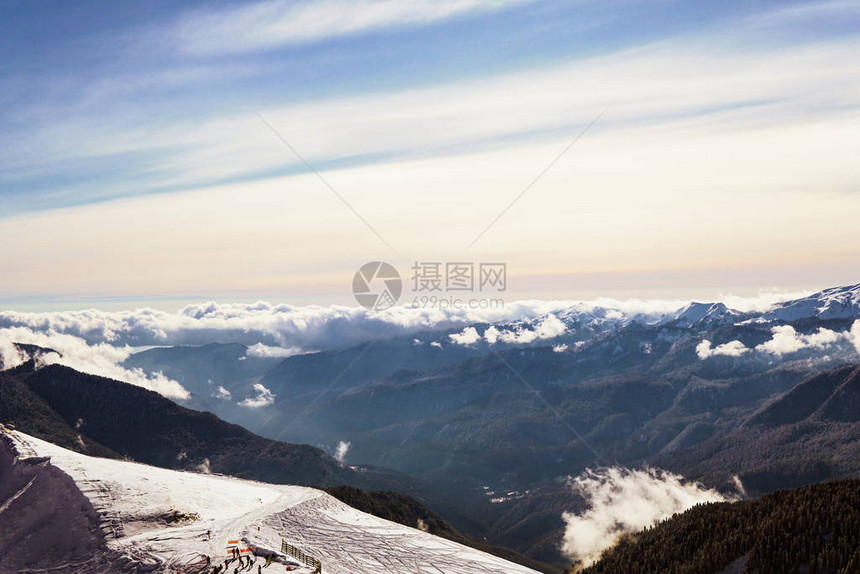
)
(810, 530)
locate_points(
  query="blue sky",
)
(135, 124)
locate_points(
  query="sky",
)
(161, 153)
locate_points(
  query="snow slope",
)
(833, 303)
(135, 502)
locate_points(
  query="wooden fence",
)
(305, 559)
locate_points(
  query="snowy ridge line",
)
(171, 521)
(23, 449)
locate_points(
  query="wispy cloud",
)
(341, 450)
(688, 89)
(274, 23)
(698, 127)
(806, 13)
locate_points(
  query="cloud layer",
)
(268, 329)
(785, 340)
(100, 358)
(623, 501)
(279, 330)
(98, 342)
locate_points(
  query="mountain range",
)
(502, 414)
(504, 411)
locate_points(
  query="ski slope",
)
(133, 500)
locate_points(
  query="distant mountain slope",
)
(833, 304)
(144, 426)
(807, 434)
(204, 370)
(829, 396)
(83, 412)
(345, 369)
(21, 406)
(704, 390)
(812, 529)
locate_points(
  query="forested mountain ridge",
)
(810, 530)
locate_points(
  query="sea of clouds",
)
(98, 342)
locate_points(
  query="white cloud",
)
(468, 336)
(272, 23)
(265, 352)
(730, 349)
(855, 335)
(223, 393)
(550, 327)
(342, 449)
(10, 356)
(763, 301)
(787, 340)
(261, 397)
(102, 358)
(621, 501)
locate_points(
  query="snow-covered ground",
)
(135, 503)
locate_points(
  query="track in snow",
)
(133, 501)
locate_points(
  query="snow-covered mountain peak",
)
(832, 303)
(705, 314)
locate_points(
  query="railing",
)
(296, 553)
